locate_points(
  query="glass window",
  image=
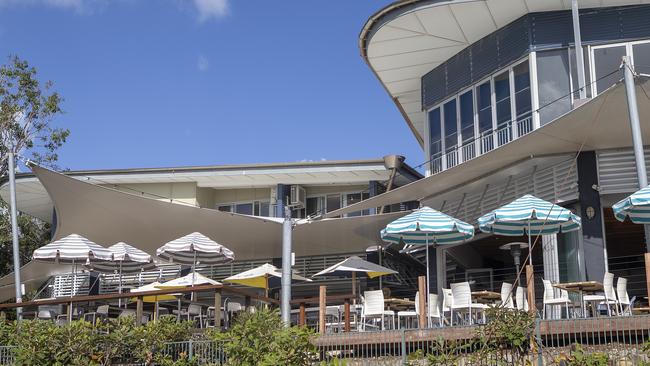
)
(224, 208)
(261, 208)
(606, 61)
(522, 91)
(641, 52)
(553, 84)
(451, 127)
(352, 198)
(315, 206)
(502, 95)
(333, 202)
(574, 73)
(435, 132)
(244, 208)
(484, 105)
(466, 102)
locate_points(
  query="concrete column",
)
(551, 262)
(593, 236)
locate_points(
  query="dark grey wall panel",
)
(635, 22)
(551, 29)
(435, 87)
(600, 25)
(513, 41)
(460, 67)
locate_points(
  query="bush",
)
(261, 339)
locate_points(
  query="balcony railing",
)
(484, 143)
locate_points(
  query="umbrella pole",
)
(192, 297)
(266, 285)
(72, 289)
(530, 252)
(119, 288)
(426, 296)
(381, 264)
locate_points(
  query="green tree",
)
(27, 110)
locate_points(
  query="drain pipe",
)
(392, 163)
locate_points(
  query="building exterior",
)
(490, 90)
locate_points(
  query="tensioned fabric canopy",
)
(193, 248)
(191, 279)
(529, 214)
(355, 264)
(427, 226)
(125, 258)
(264, 276)
(636, 206)
(72, 249)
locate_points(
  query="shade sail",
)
(191, 279)
(531, 215)
(264, 276)
(72, 249)
(427, 226)
(195, 248)
(346, 267)
(636, 207)
(125, 259)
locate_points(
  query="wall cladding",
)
(535, 31)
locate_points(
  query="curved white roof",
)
(408, 38)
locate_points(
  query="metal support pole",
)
(286, 267)
(580, 63)
(14, 232)
(635, 126)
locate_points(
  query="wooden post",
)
(530, 286)
(647, 272)
(422, 290)
(301, 317)
(138, 311)
(217, 309)
(346, 313)
(322, 308)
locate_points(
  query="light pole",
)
(14, 231)
(285, 303)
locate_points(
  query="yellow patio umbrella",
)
(265, 276)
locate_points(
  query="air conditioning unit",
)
(298, 196)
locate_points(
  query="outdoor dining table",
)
(485, 296)
(397, 303)
(580, 287)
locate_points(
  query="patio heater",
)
(515, 250)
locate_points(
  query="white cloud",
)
(211, 9)
(203, 64)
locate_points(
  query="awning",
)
(601, 123)
(105, 215)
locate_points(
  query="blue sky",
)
(198, 82)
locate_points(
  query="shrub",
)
(261, 339)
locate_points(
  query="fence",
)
(6, 355)
(201, 352)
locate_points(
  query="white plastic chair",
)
(506, 296)
(521, 298)
(102, 312)
(551, 300)
(447, 302)
(408, 314)
(624, 303)
(607, 298)
(373, 307)
(462, 295)
(434, 309)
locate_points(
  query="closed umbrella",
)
(125, 259)
(426, 226)
(635, 206)
(529, 215)
(265, 276)
(73, 249)
(349, 267)
(195, 248)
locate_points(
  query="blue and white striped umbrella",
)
(529, 215)
(635, 206)
(427, 226)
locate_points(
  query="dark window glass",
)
(224, 208)
(314, 206)
(264, 209)
(641, 54)
(502, 95)
(451, 127)
(244, 208)
(607, 62)
(553, 84)
(435, 132)
(333, 202)
(467, 116)
(484, 105)
(522, 91)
